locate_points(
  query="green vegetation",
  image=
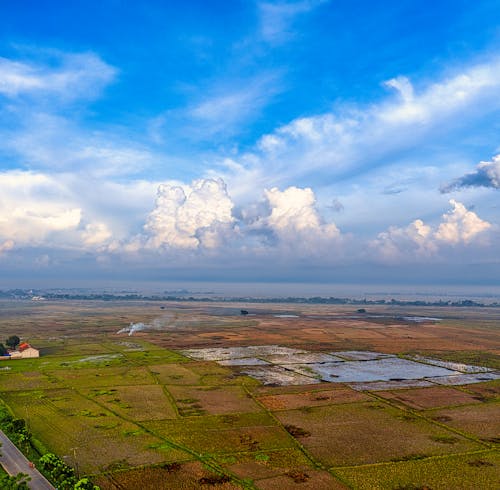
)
(13, 341)
(17, 482)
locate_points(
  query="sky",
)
(276, 141)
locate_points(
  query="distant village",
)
(17, 350)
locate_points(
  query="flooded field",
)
(284, 366)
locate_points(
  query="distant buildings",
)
(23, 351)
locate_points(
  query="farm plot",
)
(433, 397)
(305, 479)
(97, 377)
(224, 434)
(460, 472)
(291, 401)
(481, 420)
(261, 464)
(181, 476)
(29, 380)
(64, 420)
(214, 400)
(175, 374)
(485, 391)
(136, 402)
(366, 433)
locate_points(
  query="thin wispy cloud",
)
(72, 76)
(277, 18)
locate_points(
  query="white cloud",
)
(295, 222)
(75, 75)
(351, 138)
(190, 217)
(96, 234)
(458, 227)
(276, 18)
(226, 105)
(34, 205)
(53, 142)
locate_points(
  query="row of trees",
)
(63, 475)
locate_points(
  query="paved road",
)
(14, 462)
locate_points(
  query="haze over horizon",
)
(308, 141)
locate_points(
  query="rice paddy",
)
(202, 406)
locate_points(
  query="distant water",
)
(399, 292)
(358, 291)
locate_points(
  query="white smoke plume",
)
(157, 324)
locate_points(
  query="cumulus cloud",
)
(189, 217)
(459, 226)
(294, 221)
(487, 174)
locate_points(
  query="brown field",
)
(481, 421)
(290, 401)
(433, 397)
(140, 414)
(368, 433)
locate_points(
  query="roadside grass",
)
(466, 472)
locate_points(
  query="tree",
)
(18, 482)
(13, 341)
(3, 350)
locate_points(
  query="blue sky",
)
(307, 140)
